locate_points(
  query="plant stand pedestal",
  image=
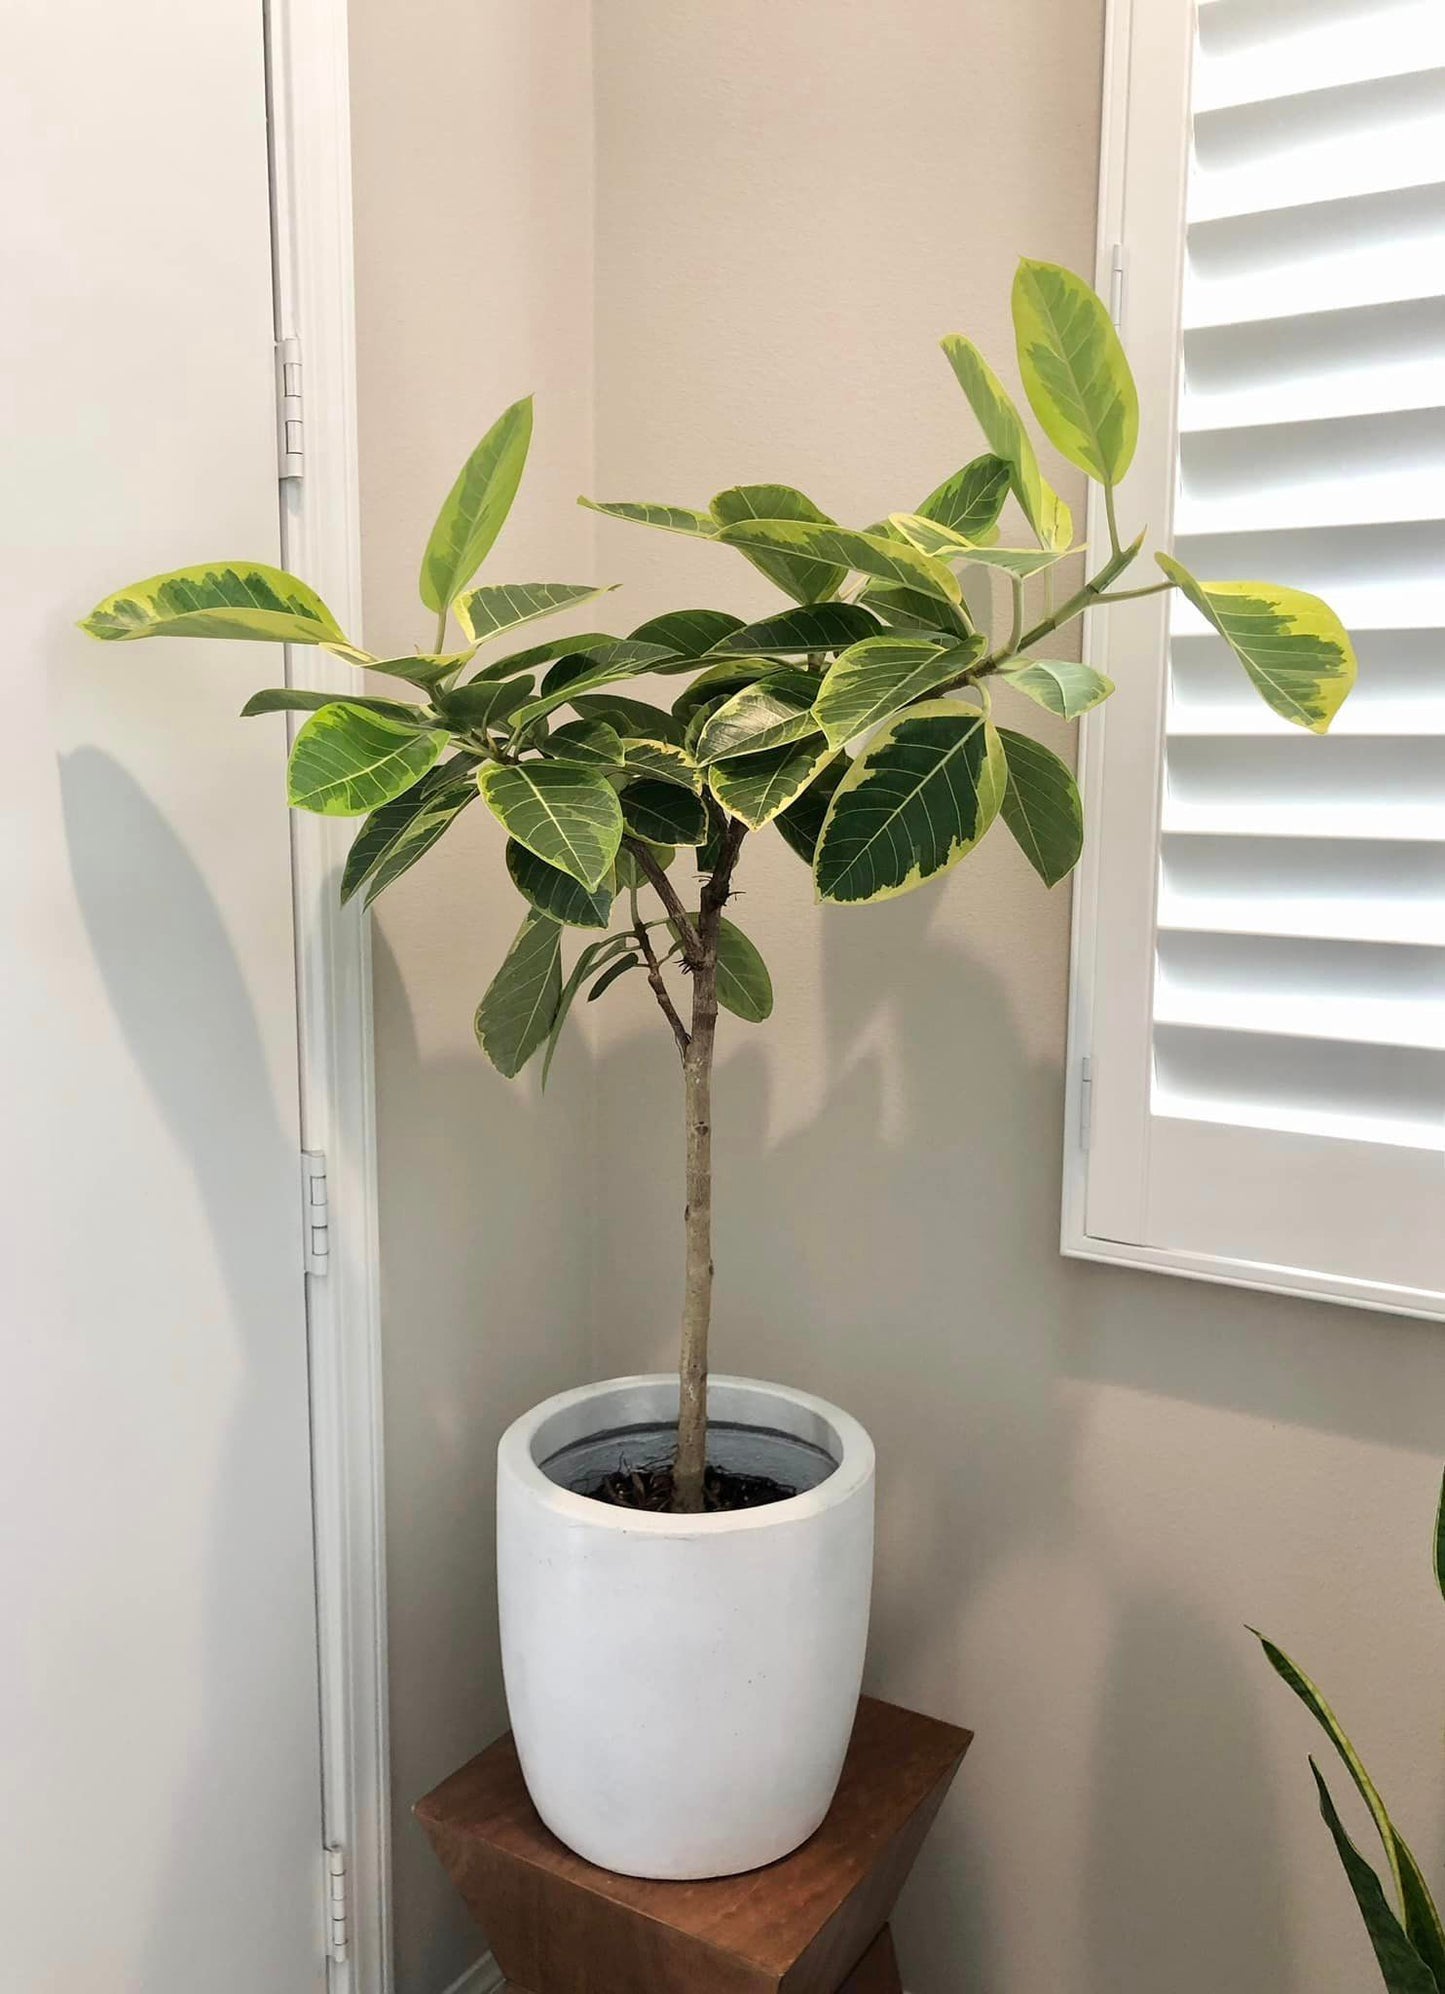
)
(815, 1923)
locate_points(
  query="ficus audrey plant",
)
(875, 722)
(1407, 1934)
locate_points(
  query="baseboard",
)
(483, 1976)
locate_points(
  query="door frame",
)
(310, 126)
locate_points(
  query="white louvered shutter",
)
(1266, 1032)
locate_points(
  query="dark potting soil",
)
(650, 1487)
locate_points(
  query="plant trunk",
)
(697, 1220)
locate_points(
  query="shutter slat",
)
(1249, 48)
(1323, 889)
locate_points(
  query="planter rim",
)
(515, 1461)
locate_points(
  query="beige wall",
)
(1088, 1480)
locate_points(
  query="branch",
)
(718, 884)
(655, 978)
(666, 892)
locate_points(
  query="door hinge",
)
(1116, 286)
(338, 1905)
(315, 1212)
(289, 435)
(1086, 1101)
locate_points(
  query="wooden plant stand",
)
(815, 1923)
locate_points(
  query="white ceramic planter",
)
(682, 1688)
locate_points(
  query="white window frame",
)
(1110, 1198)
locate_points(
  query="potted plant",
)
(684, 1604)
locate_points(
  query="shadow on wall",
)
(181, 1003)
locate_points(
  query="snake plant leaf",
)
(767, 714)
(633, 718)
(1295, 649)
(800, 824)
(475, 509)
(1059, 685)
(819, 626)
(660, 813)
(566, 815)
(870, 554)
(486, 612)
(244, 599)
(1401, 1967)
(516, 1012)
(1041, 806)
(1006, 436)
(913, 804)
(557, 894)
(1422, 1921)
(348, 760)
(1074, 370)
(395, 836)
(670, 518)
(588, 741)
(971, 500)
(945, 545)
(756, 787)
(743, 984)
(915, 614)
(873, 680)
(609, 976)
(689, 633)
(662, 760)
(291, 699)
(806, 578)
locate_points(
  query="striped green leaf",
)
(620, 658)
(290, 699)
(1074, 370)
(871, 554)
(1041, 806)
(631, 717)
(609, 976)
(802, 822)
(768, 714)
(244, 599)
(719, 682)
(946, 545)
(689, 633)
(817, 626)
(743, 984)
(483, 701)
(557, 894)
(568, 816)
(873, 680)
(1401, 1967)
(916, 802)
(394, 837)
(661, 813)
(1060, 685)
(595, 742)
(348, 760)
(587, 961)
(475, 509)
(486, 612)
(1295, 649)
(916, 614)
(515, 1015)
(671, 518)
(971, 500)
(662, 760)
(999, 420)
(756, 787)
(805, 577)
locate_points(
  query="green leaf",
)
(395, 836)
(631, 717)
(946, 545)
(587, 645)
(1401, 1967)
(671, 518)
(516, 1014)
(971, 500)
(567, 678)
(243, 599)
(487, 612)
(630, 874)
(689, 633)
(820, 626)
(887, 560)
(555, 893)
(1293, 646)
(719, 682)
(662, 814)
(767, 714)
(483, 702)
(915, 614)
(348, 760)
(568, 816)
(288, 699)
(804, 577)
(1060, 685)
(999, 420)
(1074, 371)
(418, 669)
(663, 760)
(1422, 1921)
(1041, 806)
(921, 797)
(609, 976)
(882, 674)
(802, 822)
(743, 984)
(586, 962)
(757, 787)
(589, 741)
(476, 507)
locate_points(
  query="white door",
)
(159, 1761)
